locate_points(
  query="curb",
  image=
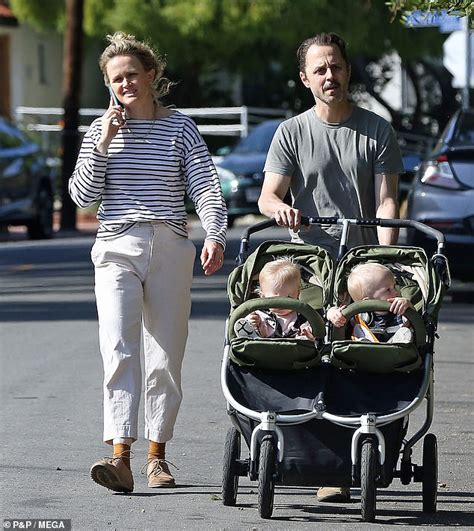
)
(86, 225)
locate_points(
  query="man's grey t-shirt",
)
(332, 169)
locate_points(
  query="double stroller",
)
(331, 411)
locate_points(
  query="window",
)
(42, 79)
(465, 130)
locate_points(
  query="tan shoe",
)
(158, 473)
(113, 474)
(333, 494)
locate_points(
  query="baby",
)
(375, 281)
(278, 278)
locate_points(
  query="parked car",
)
(26, 183)
(241, 171)
(442, 194)
(414, 147)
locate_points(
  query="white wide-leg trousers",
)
(143, 290)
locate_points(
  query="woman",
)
(139, 160)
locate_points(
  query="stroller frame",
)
(368, 424)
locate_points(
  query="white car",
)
(442, 194)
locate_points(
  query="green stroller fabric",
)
(417, 281)
(316, 270)
(380, 357)
(316, 267)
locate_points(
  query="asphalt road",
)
(51, 415)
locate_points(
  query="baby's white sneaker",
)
(402, 335)
(243, 328)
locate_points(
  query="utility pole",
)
(467, 84)
(72, 68)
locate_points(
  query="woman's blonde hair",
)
(125, 44)
(361, 279)
(279, 272)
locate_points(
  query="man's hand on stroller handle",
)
(272, 201)
(286, 216)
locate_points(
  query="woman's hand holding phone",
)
(112, 120)
(116, 103)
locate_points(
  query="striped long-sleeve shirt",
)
(149, 167)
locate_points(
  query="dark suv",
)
(241, 171)
(26, 183)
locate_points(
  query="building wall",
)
(35, 69)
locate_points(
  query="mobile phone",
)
(117, 102)
(114, 98)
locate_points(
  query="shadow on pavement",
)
(16, 311)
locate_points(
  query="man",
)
(336, 159)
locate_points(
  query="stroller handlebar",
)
(245, 238)
(378, 222)
(346, 223)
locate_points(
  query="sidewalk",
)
(86, 225)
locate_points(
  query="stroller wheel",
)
(368, 474)
(430, 473)
(266, 476)
(230, 476)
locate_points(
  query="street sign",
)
(443, 20)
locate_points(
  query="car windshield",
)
(464, 134)
(259, 139)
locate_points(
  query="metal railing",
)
(34, 118)
(47, 121)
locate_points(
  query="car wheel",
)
(41, 226)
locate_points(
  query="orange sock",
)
(123, 451)
(156, 450)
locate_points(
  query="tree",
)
(72, 70)
(255, 40)
(461, 7)
(243, 37)
(65, 16)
